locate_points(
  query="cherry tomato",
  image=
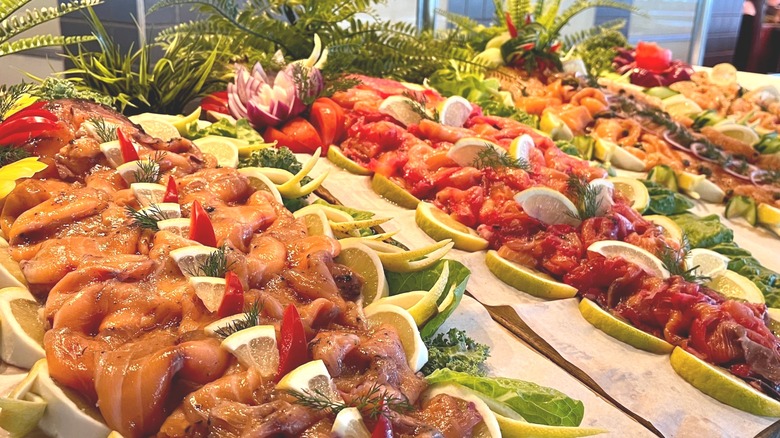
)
(653, 57)
(293, 351)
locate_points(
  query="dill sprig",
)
(373, 403)
(586, 197)
(10, 154)
(106, 131)
(341, 83)
(146, 217)
(10, 95)
(417, 103)
(492, 157)
(214, 265)
(674, 262)
(250, 318)
(149, 169)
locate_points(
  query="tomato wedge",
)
(652, 57)
(303, 132)
(233, 299)
(293, 351)
(327, 117)
(217, 102)
(126, 147)
(201, 228)
(274, 135)
(171, 191)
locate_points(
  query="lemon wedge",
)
(349, 424)
(736, 287)
(406, 327)
(337, 157)
(454, 111)
(402, 109)
(699, 187)
(255, 347)
(633, 190)
(466, 151)
(527, 280)
(440, 226)
(191, 259)
(210, 290)
(548, 206)
(259, 181)
(364, 261)
(310, 378)
(21, 328)
(222, 148)
(394, 193)
(631, 253)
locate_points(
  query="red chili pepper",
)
(510, 26)
(22, 130)
(293, 351)
(34, 110)
(126, 147)
(555, 47)
(217, 102)
(171, 191)
(383, 428)
(201, 228)
(233, 300)
(527, 47)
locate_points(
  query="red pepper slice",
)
(233, 300)
(126, 147)
(217, 102)
(28, 133)
(171, 191)
(383, 428)
(293, 351)
(34, 110)
(24, 124)
(555, 47)
(527, 47)
(201, 228)
(510, 26)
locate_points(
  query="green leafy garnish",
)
(146, 218)
(598, 46)
(9, 154)
(664, 201)
(9, 95)
(372, 404)
(279, 158)
(586, 196)
(250, 318)
(424, 280)
(492, 157)
(457, 352)
(214, 265)
(106, 131)
(536, 404)
(149, 169)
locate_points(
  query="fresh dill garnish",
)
(586, 196)
(492, 157)
(149, 169)
(146, 217)
(340, 83)
(417, 103)
(214, 265)
(304, 84)
(372, 403)
(674, 262)
(9, 154)
(250, 318)
(106, 131)
(10, 95)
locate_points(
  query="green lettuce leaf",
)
(424, 280)
(536, 404)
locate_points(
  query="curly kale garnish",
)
(376, 401)
(456, 351)
(279, 158)
(250, 318)
(492, 157)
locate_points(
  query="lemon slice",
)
(191, 259)
(454, 111)
(527, 280)
(401, 109)
(631, 253)
(623, 159)
(129, 170)
(292, 188)
(113, 153)
(10, 272)
(349, 424)
(621, 330)
(633, 190)
(427, 307)
(768, 215)
(555, 127)
(259, 181)
(148, 193)
(722, 385)
(21, 328)
(223, 149)
(353, 227)
(166, 210)
(520, 148)
(680, 106)
(488, 427)
(178, 226)
(736, 287)
(405, 300)
(440, 226)
(670, 227)
(415, 260)
(255, 347)
(393, 192)
(337, 157)
(738, 132)
(512, 427)
(157, 128)
(20, 416)
(310, 378)
(604, 149)
(366, 263)
(604, 189)
(548, 206)
(699, 187)
(316, 222)
(466, 151)
(406, 327)
(710, 263)
(210, 290)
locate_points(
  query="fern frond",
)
(581, 5)
(518, 9)
(551, 11)
(8, 7)
(461, 22)
(16, 24)
(574, 39)
(41, 41)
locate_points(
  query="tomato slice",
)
(274, 135)
(303, 132)
(327, 117)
